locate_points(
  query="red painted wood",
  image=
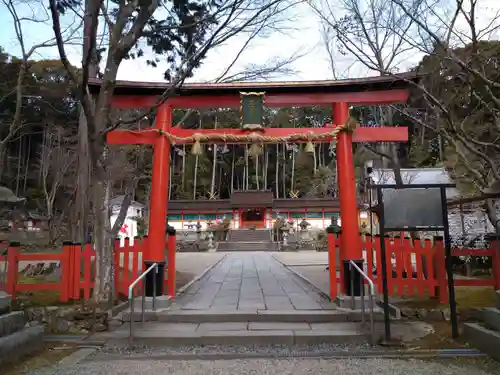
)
(125, 281)
(77, 256)
(117, 275)
(65, 259)
(441, 271)
(362, 134)
(40, 257)
(351, 240)
(159, 188)
(271, 100)
(72, 282)
(496, 264)
(87, 255)
(12, 270)
(420, 267)
(408, 250)
(399, 258)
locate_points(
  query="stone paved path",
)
(250, 282)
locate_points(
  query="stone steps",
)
(247, 246)
(486, 336)
(247, 235)
(16, 340)
(11, 322)
(483, 338)
(491, 317)
(263, 316)
(4, 302)
(242, 333)
(248, 298)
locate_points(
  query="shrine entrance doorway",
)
(253, 218)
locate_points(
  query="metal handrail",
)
(372, 295)
(154, 266)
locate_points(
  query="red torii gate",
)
(340, 94)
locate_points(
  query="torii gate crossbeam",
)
(340, 94)
(158, 137)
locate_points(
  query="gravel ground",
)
(351, 366)
(226, 349)
(166, 360)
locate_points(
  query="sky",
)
(306, 40)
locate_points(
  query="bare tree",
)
(19, 93)
(183, 35)
(459, 89)
(457, 94)
(56, 160)
(374, 34)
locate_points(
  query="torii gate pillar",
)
(155, 251)
(350, 247)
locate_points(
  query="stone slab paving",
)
(302, 258)
(250, 282)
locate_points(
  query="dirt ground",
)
(49, 355)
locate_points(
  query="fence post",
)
(116, 276)
(440, 263)
(12, 268)
(332, 263)
(65, 272)
(77, 266)
(495, 262)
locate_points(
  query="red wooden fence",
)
(414, 267)
(417, 268)
(77, 269)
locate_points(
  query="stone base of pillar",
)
(352, 278)
(347, 302)
(153, 278)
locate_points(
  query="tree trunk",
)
(493, 216)
(103, 243)
(19, 160)
(80, 228)
(26, 169)
(3, 163)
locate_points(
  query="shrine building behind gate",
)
(256, 209)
